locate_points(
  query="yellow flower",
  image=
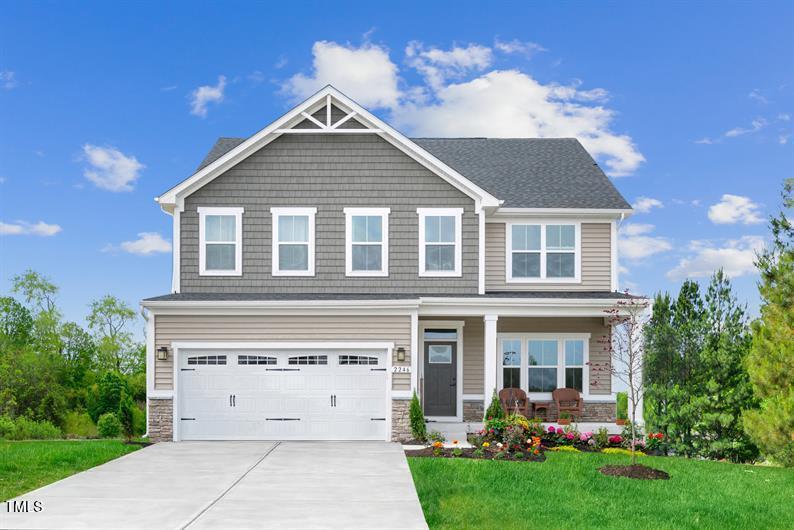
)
(486, 444)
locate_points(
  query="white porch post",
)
(490, 357)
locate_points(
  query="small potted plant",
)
(565, 419)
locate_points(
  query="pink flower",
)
(570, 436)
(551, 429)
(588, 434)
(583, 437)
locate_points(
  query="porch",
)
(463, 359)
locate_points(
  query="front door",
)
(441, 382)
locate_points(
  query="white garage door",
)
(282, 395)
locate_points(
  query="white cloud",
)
(707, 141)
(168, 88)
(366, 74)
(757, 96)
(111, 169)
(22, 228)
(735, 209)
(782, 139)
(206, 94)
(459, 98)
(755, 126)
(147, 243)
(635, 242)
(8, 79)
(646, 204)
(437, 65)
(783, 117)
(736, 257)
(510, 103)
(516, 46)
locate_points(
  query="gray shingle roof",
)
(524, 172)
(241, 297)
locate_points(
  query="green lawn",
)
(25, 466)
(567, 491)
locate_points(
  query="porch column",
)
(490, 358)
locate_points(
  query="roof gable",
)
(311, 111)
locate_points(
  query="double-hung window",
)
(220, 241)
(440, 241)
(539, 363)
(293, 241)
(543, 252)
(367, 241)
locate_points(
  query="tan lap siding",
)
(600, 377)
(257, 328)
(596, 261)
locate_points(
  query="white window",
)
(367, 241)
(539, 363)
(220, 241)
(293, 241)
(440, 241)
(543, 252)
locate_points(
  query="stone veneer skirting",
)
(473, 411)
(161, 427)
(596, 412)
(400, 421)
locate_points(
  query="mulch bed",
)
(135, 442)
(469, 453)
(637, 471)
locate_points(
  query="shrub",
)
(109, 425)
(602, 437)
(110, 389)
(79, 425)
(416, 417)
(435, 436)
(22, 428)
(620, 451)
(564, 449)
(622, 405)
(138, 420)
(494, 409)
(126, 417)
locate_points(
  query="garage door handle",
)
(188, 419)
(377, 419)
(282, 419)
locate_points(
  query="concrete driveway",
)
(225, 485)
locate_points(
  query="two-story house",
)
(327, 267)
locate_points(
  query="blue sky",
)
(103, 107)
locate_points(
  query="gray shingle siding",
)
(524, 172)
(329, 172)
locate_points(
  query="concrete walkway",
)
(230, 485)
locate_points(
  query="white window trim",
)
(560, 338)
(204, 211)
(577, 277)
(383, 213)
(457, 213)
(276, 213)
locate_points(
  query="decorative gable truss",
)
(327, 112)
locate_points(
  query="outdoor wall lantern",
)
(162, 353)
(401, 354)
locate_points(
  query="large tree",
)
(109, 320)
(771, 361)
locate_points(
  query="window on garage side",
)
(293, 241)
(220, 241)
(367, 241)
(308, 360)
(256, 360)
(206, 359)
(350, 360)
